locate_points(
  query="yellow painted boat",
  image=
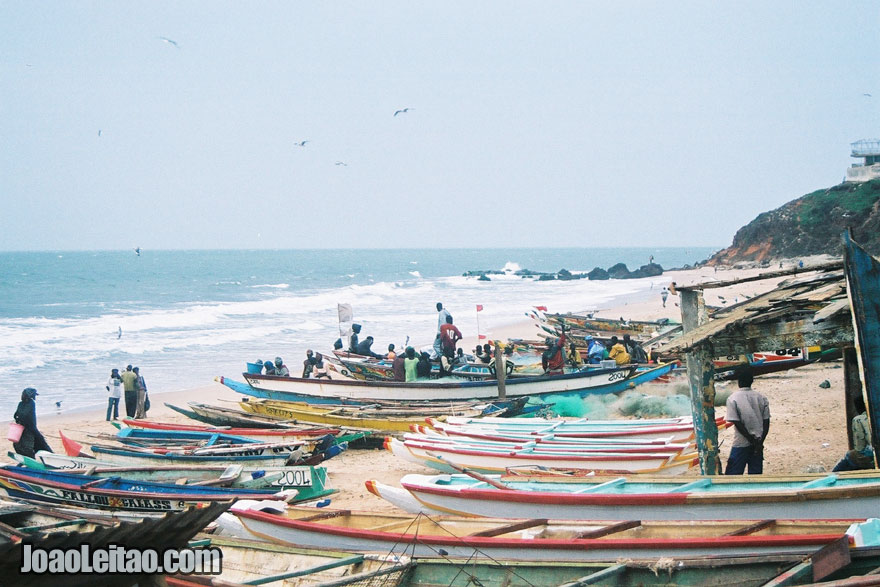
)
(386, 420)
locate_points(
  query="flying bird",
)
(170, 41)
(868, 95)
(403, 111)
(342, 163)
(137, 251)
(99, 132)
(301, 143)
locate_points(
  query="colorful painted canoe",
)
(257, 456)
(579, 384)
(309, 482)
(113, 492)
(251, 561)
(223, 416)
(537, 539)
(834, 496)
(255, 434)
(449, 458)
(670, 430)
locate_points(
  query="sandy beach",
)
(808, 429)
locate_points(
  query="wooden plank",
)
(512, 527)
(752, 528)
(607, 530)
(852, 383)
(604, 577)
(863, 289)
(797, 575)
(767, 275)
(343, 562)
(324, 516)
(831, 558)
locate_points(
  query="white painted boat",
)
(823, 496)
(445, 458)
(611, 380)
(536, 539)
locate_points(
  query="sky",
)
(529, 124)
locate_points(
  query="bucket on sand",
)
(255, 368)
(15, 430)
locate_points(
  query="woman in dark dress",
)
(26, 414)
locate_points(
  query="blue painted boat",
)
(114, 493)
(599, 381)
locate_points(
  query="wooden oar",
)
(470, 473)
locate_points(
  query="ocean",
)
(188, 316)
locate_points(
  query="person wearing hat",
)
(26, 415)
(280, 368)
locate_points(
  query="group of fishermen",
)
(556, 357)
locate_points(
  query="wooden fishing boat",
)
(309, 482)
(447, 458)
(220, 416)
(375, 418)
(670, 430)
(255, 434)
(58, 487)
(204, 441)
(537, 539)
(845, 495)
(255, 457)
(49, 528)
(624, 445)
(258, 562)
(591, 381)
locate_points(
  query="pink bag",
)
(15, 430)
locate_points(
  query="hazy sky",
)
(530, 123)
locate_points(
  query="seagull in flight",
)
(301, 143)
(403, 111)
(342, 163)
(170, 42)
(99, 132)
(868, 95)
(137, 251)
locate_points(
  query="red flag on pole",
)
(481, 336)
(542, 308)
(479, 307)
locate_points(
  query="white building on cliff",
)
(869, 151)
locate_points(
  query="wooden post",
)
(701, 372)
(500, 371)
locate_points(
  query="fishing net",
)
(391, 577)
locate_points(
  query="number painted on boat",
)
(301, 477)
(617, 376)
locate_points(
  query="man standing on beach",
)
(129, 386)
(664, 293)
(443, 313)
(749, 412)
(449, 336)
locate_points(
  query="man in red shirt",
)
(553, 359)
(449, 337)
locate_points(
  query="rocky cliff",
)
(809, 225)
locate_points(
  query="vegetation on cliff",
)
(809, 225)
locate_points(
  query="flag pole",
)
(478, 324)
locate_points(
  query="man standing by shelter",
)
(749, 412)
